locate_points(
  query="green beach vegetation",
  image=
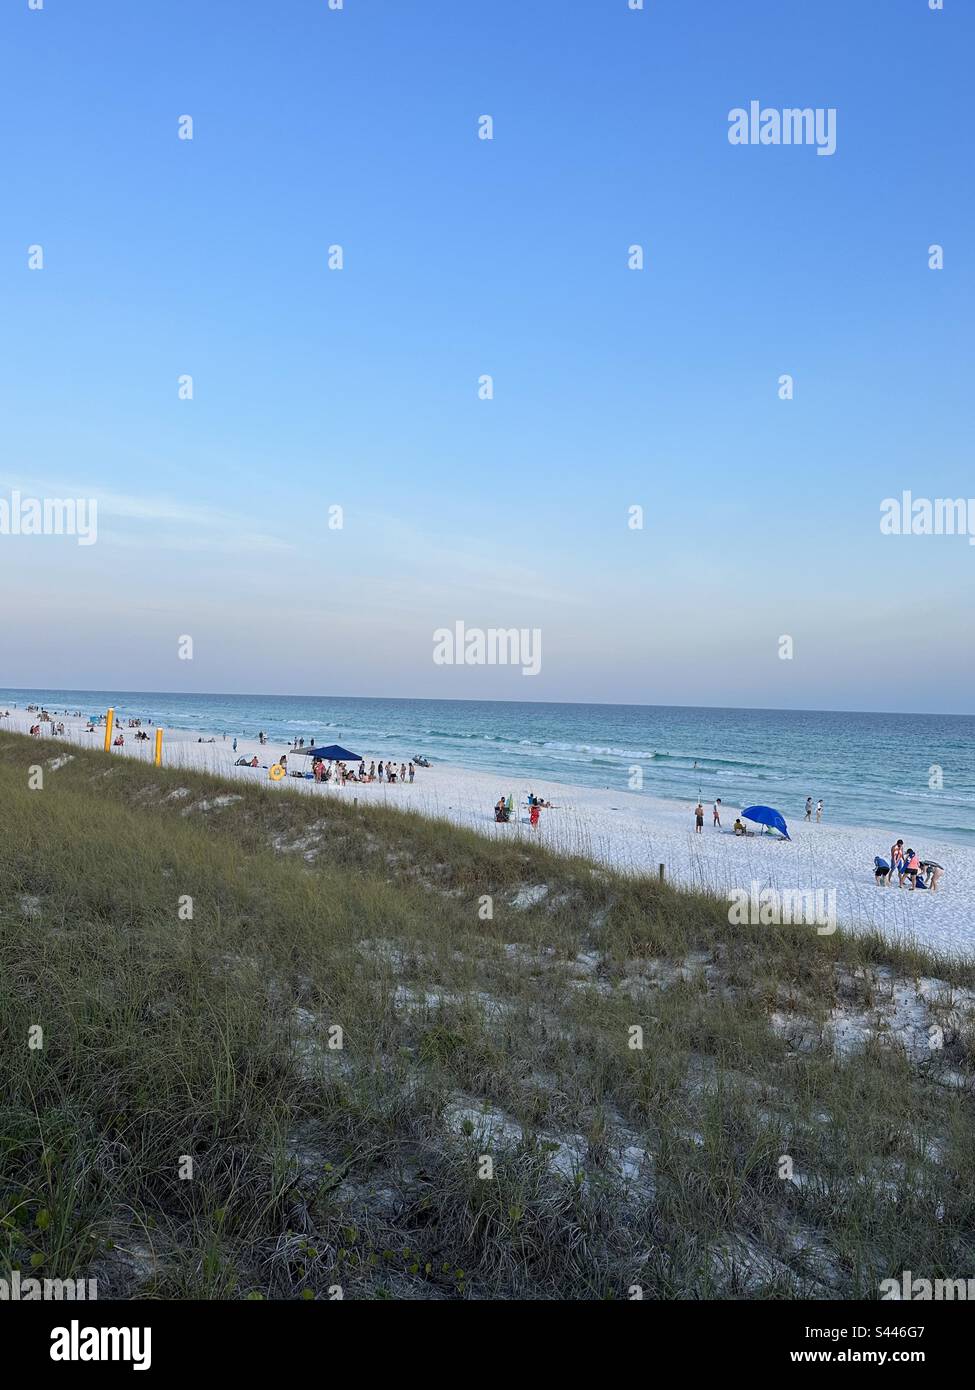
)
(258, 1044)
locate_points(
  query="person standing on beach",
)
(716, 813)
(808, 808)
(412, 771)
(912, 866)
(896, 857)
(235, 745)
(698, 819)
(819, 811)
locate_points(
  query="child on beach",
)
(819, 811)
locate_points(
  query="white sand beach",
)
(630, 831)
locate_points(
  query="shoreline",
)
(859, 770)
(631, 832)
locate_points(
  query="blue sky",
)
(612, 388)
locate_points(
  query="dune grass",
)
(292, 1047)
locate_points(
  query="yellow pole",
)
(109, 722)
(158, 758)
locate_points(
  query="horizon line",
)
(472, 700)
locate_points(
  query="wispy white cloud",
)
(238, 543)
(450, 567)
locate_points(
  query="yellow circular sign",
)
(276, 772)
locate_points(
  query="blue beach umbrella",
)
(767, 815)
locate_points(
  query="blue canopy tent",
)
(333, 753)
(767, 816)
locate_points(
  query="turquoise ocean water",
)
(869, 769)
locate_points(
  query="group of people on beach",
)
(57, 727)
(43, 717)
(56, 730)
(386, 772)
(739, 826)
(504, 808)
(716, 809)
(715, 817)
(909, 867)
(326, 770)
